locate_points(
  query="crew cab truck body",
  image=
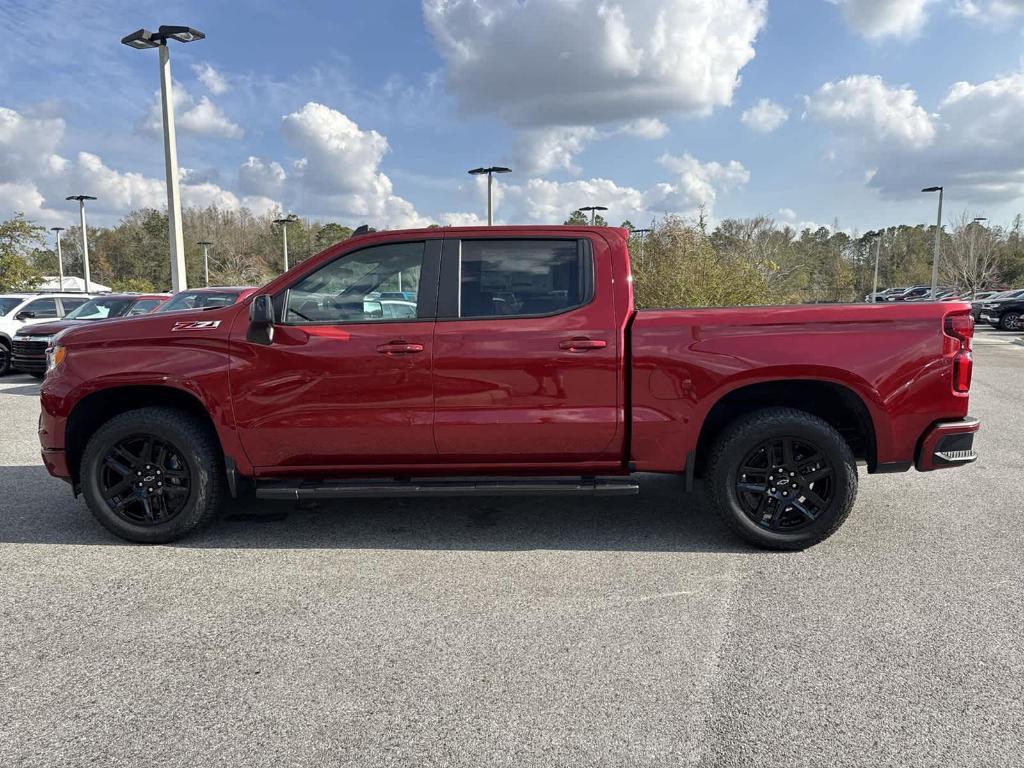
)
(526, 369)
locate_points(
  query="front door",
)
(346, 380)
(526, 358)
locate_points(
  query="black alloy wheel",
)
(153, 474)
(785, 483)
(781, 478)
(145, 480)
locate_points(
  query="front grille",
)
(28, 355)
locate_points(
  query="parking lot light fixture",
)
(284, 222)
(85, 235)
(142, 39)
(206, 259)
(938, 239)
(490, 186)
(593, 212)
(60, 258)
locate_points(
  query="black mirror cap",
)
(25, 315)
(261, 320)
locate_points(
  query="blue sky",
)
(373, 111)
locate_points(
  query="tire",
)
(180, 461)
(792, 509)
(5, 359)
(1010, 321)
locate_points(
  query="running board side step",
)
(288, 490)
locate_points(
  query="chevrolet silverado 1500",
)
(504, 360)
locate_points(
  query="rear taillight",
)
(959, 328)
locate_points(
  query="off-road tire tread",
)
(771, 419)
(207, 454)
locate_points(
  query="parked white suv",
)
(20, 309)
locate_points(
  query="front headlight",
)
(55, 356)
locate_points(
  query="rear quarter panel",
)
(896, 358)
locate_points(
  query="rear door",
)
(526, 361)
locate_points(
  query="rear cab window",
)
(523, 277)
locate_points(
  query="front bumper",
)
(947, 444)
(56, 463)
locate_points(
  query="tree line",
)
(678, 262)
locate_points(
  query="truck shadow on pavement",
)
(38, 509)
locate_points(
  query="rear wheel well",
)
(99, 407)
(839, 406)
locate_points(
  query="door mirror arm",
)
(261, 320)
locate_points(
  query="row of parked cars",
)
(29, 321)
(1000, 309)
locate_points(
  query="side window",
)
(70, 304)
(43, 308)
(502, 278)
(143, 307)
(359, 287)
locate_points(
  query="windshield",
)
(100, 309)
(7, 304)
(199, 300)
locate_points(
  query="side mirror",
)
(261, 320)
(25, 315)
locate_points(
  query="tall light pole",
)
(971, 265)
(878, 253)
(142, 39)
(289, 219)
(206, 259)
(643, 237)
(593, 212)
(490, 187)
(60, 256)
(85, 234)
(938, 237)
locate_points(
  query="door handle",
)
(399, 348)
(582, 344)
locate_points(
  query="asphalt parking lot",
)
(522, 632)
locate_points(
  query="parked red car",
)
(28, 350)
(526, 370)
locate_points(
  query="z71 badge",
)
(196, 325)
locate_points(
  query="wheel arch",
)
(838, 405)
(102, 405)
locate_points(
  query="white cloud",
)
(765, 116)
(214, 81)
(206, 119)
(554, 62)
(339, 173)
(201, 117)
(865, 107)
(544, 201)
(974, 143)
(461, 219)
(787, 214)
(993, 12)
(261, 177)
(645, 128)
(28, 145)
(35, 179)
(539, 150)
(699, 183)
(878, 19)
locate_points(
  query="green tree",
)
(331, 233)
(577, 218)
(18, 238)
(681, 268)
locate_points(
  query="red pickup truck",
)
(504, 360)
